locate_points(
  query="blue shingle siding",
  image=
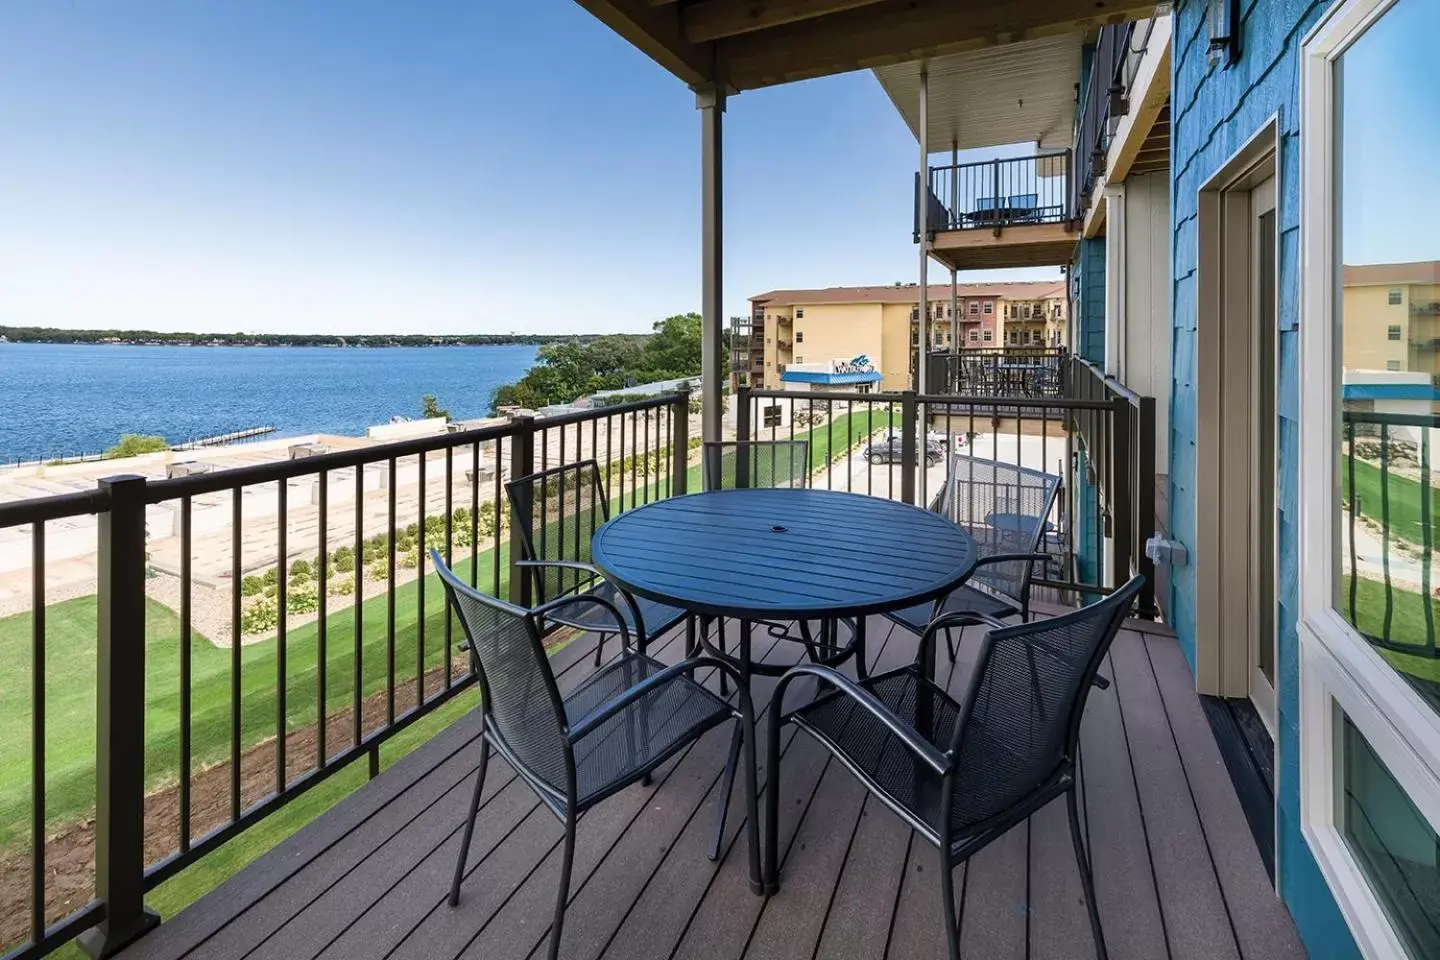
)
(1089, 268)
(1087, 531)
(1214, 112)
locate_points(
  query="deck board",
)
(1176, 870)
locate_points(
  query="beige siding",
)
(1145, 367)
(1367, 316)
(894, 360)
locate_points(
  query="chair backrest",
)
(1005, 509)
(557, 512)
(756, 464)
(517, 687)
(1023, 201)
(1020, 718)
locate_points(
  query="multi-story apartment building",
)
(835, 325)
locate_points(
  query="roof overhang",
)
(1020, 92)
(745, 44)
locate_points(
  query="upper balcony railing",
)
(998, 193)
(1105, 99)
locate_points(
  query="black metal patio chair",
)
(1006, 509)
(557, 512)
(612, 731)
(962, 773)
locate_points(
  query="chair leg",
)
(1087, 879)
(947, 903)
(720, 645)
(562, 897)
(771, 872)
(599, 649)
(953, 644)
(727, 783)
(470, 822)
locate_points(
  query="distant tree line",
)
(566, 371)
(157, 337)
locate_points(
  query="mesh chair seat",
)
(644, 733)
(961, 600)
(658, 617)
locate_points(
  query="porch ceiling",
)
(745, 44)
(1010, 93)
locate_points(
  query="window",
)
(864, 387)
(800, 334)
(915, 311)
(974, 307)
(1393, 843)
(1393, 332)
(1025, 311)
(989, 307)
(1369, 702)
(987, 336)
(770, 416)
(1057, 308)
(974, 335)
(1014, 338)
(800, 312)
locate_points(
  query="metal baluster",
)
(357, 722)
(390, 600)
(185, 670)
(236, 510)
(37, 732)
(322, 653)
(282, 489)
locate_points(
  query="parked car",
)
(888, 451)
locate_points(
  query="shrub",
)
(260, 617)
(300, 579)
(378, 570)
(341, 587)
(252, 586)
(304, 599)
(271, 577)
(134, 444)
(301, 568)
(343, 560)
(410, 559)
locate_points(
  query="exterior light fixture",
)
(1224, 21)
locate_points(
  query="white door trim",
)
(1338, 669)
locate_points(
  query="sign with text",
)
(860, 364)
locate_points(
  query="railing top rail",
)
(935, 399)
(1110, 383)
(174, 487)
(15, 513)
(1029, 158)
(1391, 419)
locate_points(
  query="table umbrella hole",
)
(777, 529)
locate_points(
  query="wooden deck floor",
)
(1176, 870)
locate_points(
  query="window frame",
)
(1395, 297)
(1339, 670)
(1393, 332)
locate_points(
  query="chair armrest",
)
(966, 618)
(587, 724)
(923, 749)
(1013, 558)
(544, 608)
(591, 568)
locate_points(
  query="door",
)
(1262, 278)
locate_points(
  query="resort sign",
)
(860, 364)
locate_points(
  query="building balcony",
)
(1001, 213)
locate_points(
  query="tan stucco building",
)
(882, 324)
(1390, 316)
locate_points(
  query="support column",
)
(954, 313)
(924, 201)
(710, 101)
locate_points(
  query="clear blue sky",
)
(377, 166)
(1390, 104)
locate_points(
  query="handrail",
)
(1038, 403)
(15, 513)
(1007, 191)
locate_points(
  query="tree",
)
(134, 444)
(430, 408)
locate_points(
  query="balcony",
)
(1001, 213)
(367, 879)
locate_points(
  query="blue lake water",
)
(60, 399)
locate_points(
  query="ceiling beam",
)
(898, 30)
(712, 19)
(656, 32)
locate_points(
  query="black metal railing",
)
(1105, 98)
(1388, 537)
(1118, 450)
(870, 443)
(306, 633)
(998, 193)
(1000, 372)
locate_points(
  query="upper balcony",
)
(1012, 212)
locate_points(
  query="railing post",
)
(1145, 501)
(995, 213)
(744, 427)
(1121, 496)
(680, 445)
(909, 425)
(120, 721)
(522, 464)
(1073, 214)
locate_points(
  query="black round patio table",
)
(781, 554)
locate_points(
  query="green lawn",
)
(1407, 623)
(1405, 502)
(70, 689)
